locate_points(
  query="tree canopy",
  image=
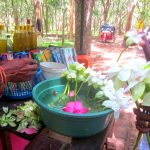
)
(104, 11)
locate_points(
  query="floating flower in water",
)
(76, 107)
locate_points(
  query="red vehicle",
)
(107, 33)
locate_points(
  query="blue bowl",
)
(69, 124)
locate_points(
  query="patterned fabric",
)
(1, 91)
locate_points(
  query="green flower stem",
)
(88, 91)
(80, 88)
(75, 92)
(148, 138)
(121, 54)
(139, 134)
(137, 140)
(66, 88)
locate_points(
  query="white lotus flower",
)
(95, 82)
(72, 75)
(117, 99)
(90, 72)
(137, 77)
(122, 72)
(113, 105)
(95, 78)
(99, 75)
(79, 66)
(80, 78)
(109, 89)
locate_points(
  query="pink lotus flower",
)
(29, 130)
(76, 107)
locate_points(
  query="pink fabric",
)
(17, 143)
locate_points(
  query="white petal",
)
(114, 69)
(116, 114)
(111, 104)
(109, 94)
(124, 75)
(131, 85)
(100, 82)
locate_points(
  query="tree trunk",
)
(56, 26)
(28, 12)
(52, 20)
(38, 16)
(46, 21)
(83, 17)
(59, 25)
(71, 19)
(131, 8)
(120, 24)
(15, 12)
(63, 28)
(106, 6)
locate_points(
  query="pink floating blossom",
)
(69, 107)
(29, 130)
(71, 94)
(76, 107)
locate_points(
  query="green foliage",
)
(67, 43)
(132, 38)
(22, 117)
(117, 13)
(138, 91)
(143, 11)
(146, 99)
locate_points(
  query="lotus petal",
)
(29, 130)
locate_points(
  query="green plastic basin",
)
(69, 124)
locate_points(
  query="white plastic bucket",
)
(52, 69)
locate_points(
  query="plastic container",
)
(52, 69)
(85, 59)
(21, 90)
(9, 44)
(69, 124)
(3, 45)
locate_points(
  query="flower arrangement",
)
(124, 83)
(136, 80)
(99, 92)
(133, 77)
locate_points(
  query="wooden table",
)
(49, 140)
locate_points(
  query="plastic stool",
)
(86, 59)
